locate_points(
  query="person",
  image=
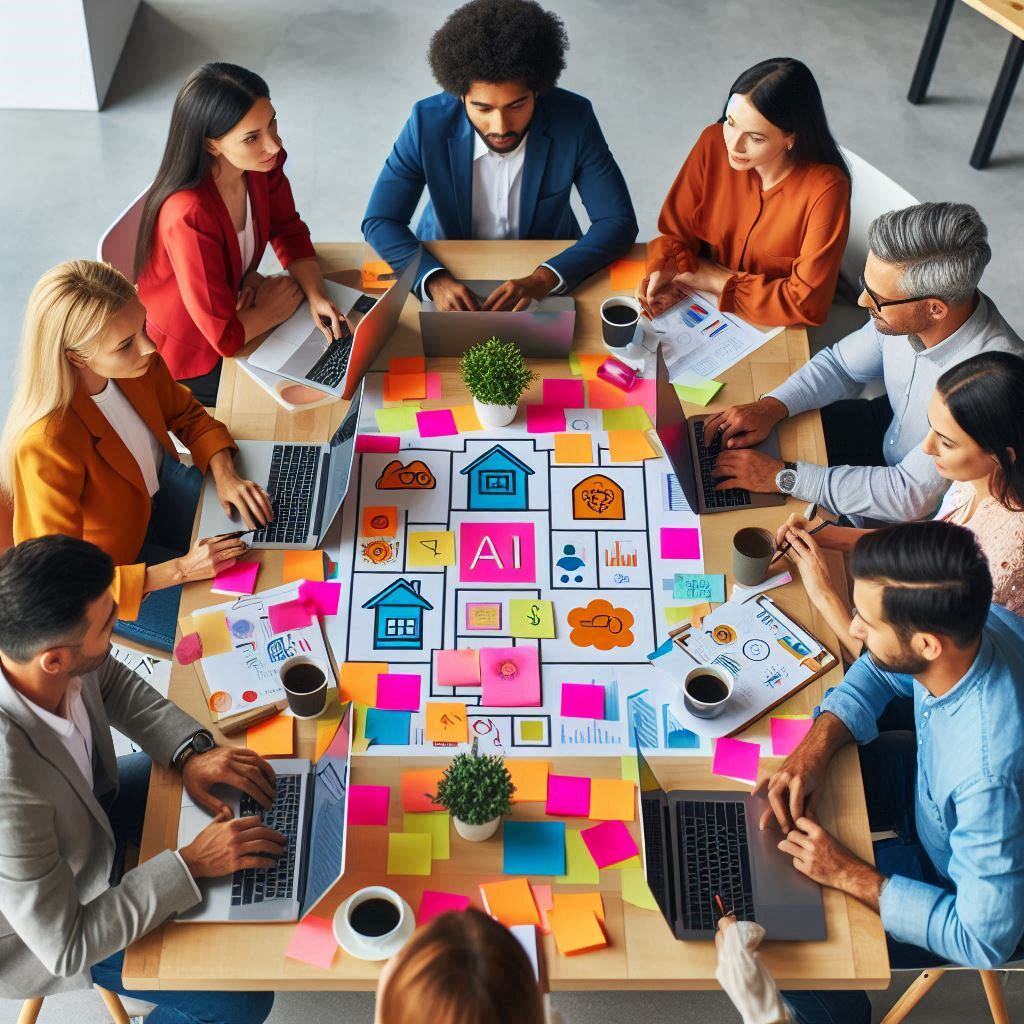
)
(920, 285)
(69, 807)
(498, 152)
(948, 782)
(976, 438)
(219, 196)
(759, 213)
(86, 449)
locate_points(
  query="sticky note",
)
(582, 700)
(630, 446)
(631, 417)
(386, 443)
(447, 722)
(531, 618)
(326, 726)
(699, 586)
(303, 565)
(368, 805)
(544, 419)
(577, 933)
(698, 613)
(418, 786)
(690, 387)
(396, 420)
(580, 868)
(787, 734)
(323, 597)
(675, 614)
(433, 385)
(635, 889)
(579, 903)
(212, 628)
(510, 677)
(545, 902)
(408, 853)
(437, 825)
(626, 275)
(388, 728)
(313, 942)
(530, 779)
(680, 542)
(587, 364)
(407, 364)
(434, 904)
(534, 848)
(378, 521)
(510, 902)
(457, 668)
(568, 795)
(239, 579)
(736, 759)
(400, 386)
(466, 419)
(359, 681)
(430, 548)
(563, 394)
(436, 423)
(532, 730)
(273, 738)
(609, 843)
(612, 800)
(573, 449)
(376, 274)
(602, 395)
(629, 768)
(627, 865)
(497, 552)
(398, 691)
(289, 615)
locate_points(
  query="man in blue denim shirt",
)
(950, 886)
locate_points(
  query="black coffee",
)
(623, 315)
(707, 689)
(303, 679)
(374, 917)
(753, 544)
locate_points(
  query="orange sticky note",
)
(602, 395)
(612, 799)
(359, 681)
(407, 364)
(627, 274)
(379, 521)
(447, 722)
(466, 419)
(576, 933)
(571, 448)
(510, 902)
(376, 274)
(212, 628)
(530, 779)
(630, 446)
(542, 897)
(399, 386)
(274, 737)
(303, 565)
(589, 363)
(697, 613)
(418, 786)
(579, 903)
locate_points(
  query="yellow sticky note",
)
(430, 548)
(531, 618)
(326, 726)
(436, 824)
(397, 419)
(626, 275)
(573, 448)
(580, 868)
(533, 731)
(530, 779)
(697, 390)
(273, 738)
(447, 722)
(630, 446)
(626, 865)
(635, 889)
(212, 628)
(359, 681)
(409, 853)
(674, 614)
(629, 768)
(303, 565)
(579, 903)
(612, 800)
(577, 933)
(629, 417)
(466, 419)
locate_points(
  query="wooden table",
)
(642, 952)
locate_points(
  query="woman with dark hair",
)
(759, 214)
(219, 197)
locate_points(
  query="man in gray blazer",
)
(64, 810)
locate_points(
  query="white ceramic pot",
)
(477, 833)
(495, 415)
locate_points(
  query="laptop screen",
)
(656, 844)
(339, 470)
(674, 433)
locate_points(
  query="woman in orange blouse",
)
(759, 214)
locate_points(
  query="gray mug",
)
(752, 552)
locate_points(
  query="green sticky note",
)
(699, 586)
(696, 390)
(629, 417)
(435, 824)
(630, 769)
(531, 618)
(674, 615)
(574, 364)
(580, 868)
(626, 865)
(408, 853)
(635, 889)
(533, 732)
(397, 419)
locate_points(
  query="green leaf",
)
(476, 789)
(495, 372)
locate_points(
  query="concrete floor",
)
(343, 75)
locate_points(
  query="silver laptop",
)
(544, 330)
(298, 351)
(307, 484)
(310, 810)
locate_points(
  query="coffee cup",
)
(620, 323)
(376, 915)
(305, 685)
(706, 690)
(752, 552)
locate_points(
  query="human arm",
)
(744, 977)
(326, 315)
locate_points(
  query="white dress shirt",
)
(247, 238)
(131, 428)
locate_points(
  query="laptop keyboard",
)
(654, 840)
(734, 497)
(292, 485)
(330, 368)
(258, 885)
(716, 861)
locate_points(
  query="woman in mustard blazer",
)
(87, 452)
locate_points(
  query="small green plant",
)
(495, 372)
(476, 788)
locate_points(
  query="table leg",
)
(930, 50)
(997, 105)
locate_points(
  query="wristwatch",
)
(785, 479)
(201, 742)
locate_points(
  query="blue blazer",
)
(564, 147)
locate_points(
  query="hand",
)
(796, 522)
(207, 557)
(247, 293)
(237, 495)
(793, 789)
(724, 924)
(278, 298)
(805, 554)
(449, 295)
(327, 316)
(658, 291)
(752, 470)
(743, 426)
(229, 844)
(708, 277)
(519, 292)
(231, 766)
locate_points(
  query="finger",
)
(791, 849)
(733, 429)
(249, 821)
(208, 802)
(242, 782)
(716, 422)
(768, 819)
(335, 321)
(324, 328)
(260, 503)
(796, 798)
(762, 784)
(262, 834)
(263, 765)
(254, 862)
(730, 484)
(798, 838)
(521, 305)
(779, 806)
(811, 828)
(252, 849)
(252, 772)
(499, 297)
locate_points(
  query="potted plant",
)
(496, 375)
(477, 790)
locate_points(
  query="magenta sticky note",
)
(497, 553)
(323, 597)
(368, 805)
(568, 795)
(378, 443)
(239, 578)
(313, 942)
(544, 419)
(609, 843)
(398, 691)
(510, 677)
(563, 394)
(433, 385)
(289, 615)
(736, 759)
(787, 734)
(582, 700)
(680, 542)
(436, 423)
(435, 903)
(457, 668)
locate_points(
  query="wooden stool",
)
(31, 1008)
(926, 979)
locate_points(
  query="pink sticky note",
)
(457, 668)
(787, 734)
(583, 700)
(398, 692)
(510, 677)
(497, 552)
(436, 423)
(323, 597)
(542, 897)
(609, 843)
(736, 759)
(289, 615)
(544, 419)
(313, 942)
(378, 443)
(568, 795)
(189, 649)
(368, 805)
(680, 542)
(563, 394)
(436, 903)
(240, 578)
(433, 385)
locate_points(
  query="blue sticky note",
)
(388, 728)
(534, 848)
(698, 586)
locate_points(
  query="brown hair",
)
(462, 968)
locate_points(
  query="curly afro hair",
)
(498, 41)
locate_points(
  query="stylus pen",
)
(810, 533)
(236, 535)
(718, 907)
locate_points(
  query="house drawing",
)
(398, 616)
(498, 481)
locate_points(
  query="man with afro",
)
(498, 152)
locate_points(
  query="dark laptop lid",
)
(674, 433)
(656, 840)
(339, 466)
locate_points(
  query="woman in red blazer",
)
(219, 197)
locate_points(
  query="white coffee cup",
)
(361, 898)
(705, 705)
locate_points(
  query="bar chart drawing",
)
(621, 553)
(643, 722)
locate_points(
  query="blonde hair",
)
(67, 310)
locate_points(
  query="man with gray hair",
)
(920, 285)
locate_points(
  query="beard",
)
(905, 663)
(87, 665)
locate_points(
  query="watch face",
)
(786, 481)
(202, 742)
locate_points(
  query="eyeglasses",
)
(880, 304)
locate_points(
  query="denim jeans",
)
(126, 811)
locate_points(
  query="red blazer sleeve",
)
(288, 233)
(678, 239)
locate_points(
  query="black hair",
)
(498, 41)
(934, 576)
(784, 92)
(212, 101)
(46, 585)
(985, 395)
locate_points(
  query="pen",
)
(810, 533)
(718, 907)
(236, 535)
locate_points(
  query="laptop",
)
(310, 811)
(544, 330)
(699, 844)
(297, 350)
(306, 482)
(693, 455)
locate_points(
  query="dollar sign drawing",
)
(534, 617)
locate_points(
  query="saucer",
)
(370, 949)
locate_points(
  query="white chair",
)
(117, 245)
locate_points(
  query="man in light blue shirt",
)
(949, 787)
